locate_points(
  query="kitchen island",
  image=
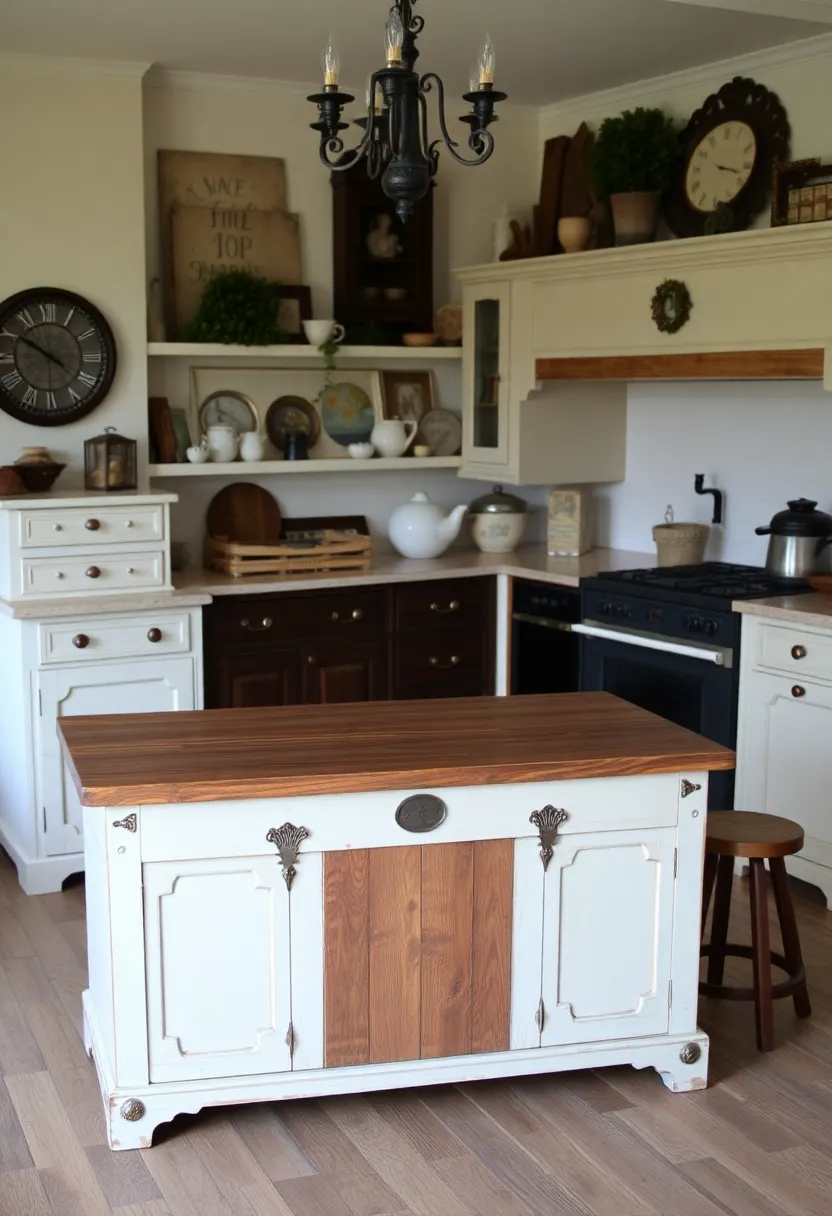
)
(304, 901)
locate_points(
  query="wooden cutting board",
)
(551, 184)
(244, 513)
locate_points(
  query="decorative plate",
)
(227, 407)
(292, 414)
(348, 414)
(442, 431)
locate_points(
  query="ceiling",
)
(547, 50)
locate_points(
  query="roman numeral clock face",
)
(721, 166)
(57, 356)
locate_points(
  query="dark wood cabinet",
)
(345, 671)
(428, 639)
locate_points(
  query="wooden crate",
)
(333, 551)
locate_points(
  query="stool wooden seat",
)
(760, 838)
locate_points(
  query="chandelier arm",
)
(480, 141)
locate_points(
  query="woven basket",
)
(680, 544)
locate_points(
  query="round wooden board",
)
(244, 513)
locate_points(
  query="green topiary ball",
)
(238, 308)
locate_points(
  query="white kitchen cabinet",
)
(135, 687)
(784, 757)
(515, 433)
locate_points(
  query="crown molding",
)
(172, 78)
(708, 75)
(62, 65)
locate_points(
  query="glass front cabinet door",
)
(485, 380)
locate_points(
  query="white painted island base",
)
(215, 981)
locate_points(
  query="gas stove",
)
(681, 601)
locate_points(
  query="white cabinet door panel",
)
(218, 965)
(113, 688)
(607, 936)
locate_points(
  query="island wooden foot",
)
(685, 1069)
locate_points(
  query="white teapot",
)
(223, 442)
(391, 437)
(420, 528)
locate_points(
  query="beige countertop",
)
(102, 605)
(530, 561)
(809, 609)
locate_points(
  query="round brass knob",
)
(92, 572)
(798, 691)
(80, 641)
(357, 614)
(312, 660)
(57, 527)
(154, 635)
(798, 652)
(453, 606)
(92, 525)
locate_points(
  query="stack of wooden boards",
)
(219, 212)
(246, 535)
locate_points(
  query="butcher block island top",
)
(131, 760)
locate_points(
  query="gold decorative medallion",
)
(547, 823)
(132, 1110)
(130, 822)
(287, 840)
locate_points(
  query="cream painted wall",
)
(198, 112)
(71, 215)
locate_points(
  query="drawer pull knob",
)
(798, 652)
(434, 662)
(57, 527)
(130, 570)
(128, 523)
(59, 574)
(452, 607)
(266, 623)
(357, 614)
(154, 635)
(80, 641)
(312, 660)
(92, 572)
(798, 691)
(92, 525)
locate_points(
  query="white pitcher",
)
(252, 446)
(222, 443)
(391, 437)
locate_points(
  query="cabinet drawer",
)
(92, 526)
(91, 574)
(247, 621)
(122, 637)
(808, 655)
(451, 603)
(443, 663)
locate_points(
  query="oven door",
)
(694, 686)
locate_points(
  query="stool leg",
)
(708, 880)
(763, 1005)
(719, 925)
(788, 930)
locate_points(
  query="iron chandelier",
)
(395, 142)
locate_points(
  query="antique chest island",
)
(284, 903)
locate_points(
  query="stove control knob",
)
(693, 624)
(606, 608)
(711, 627)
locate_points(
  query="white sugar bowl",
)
(497, 521)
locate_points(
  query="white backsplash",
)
(760, 443)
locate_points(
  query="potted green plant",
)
(632, 163)
(238, 307)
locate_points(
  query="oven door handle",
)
(722, 658)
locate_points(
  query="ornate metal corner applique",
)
(690, 1053)
(130, 822)
(547, 823)
(132, 1110)
(287, 840)
(421, 813)
(688, 788)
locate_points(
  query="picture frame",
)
(801, 192)
(294, 307)
(407, 395)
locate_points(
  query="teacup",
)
(319, 332)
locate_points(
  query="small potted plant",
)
(633, 162)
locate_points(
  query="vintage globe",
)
(348, 414)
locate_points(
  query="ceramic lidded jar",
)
(497, 521)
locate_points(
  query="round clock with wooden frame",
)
(729, 149)
(57, 356)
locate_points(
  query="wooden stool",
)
(732, 834)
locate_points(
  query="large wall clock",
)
(57, 356)
(729, 148)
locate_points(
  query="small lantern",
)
(110, 462)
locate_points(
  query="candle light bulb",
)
(332, 63)
(394, 37)
(474, 80)
(486, 62)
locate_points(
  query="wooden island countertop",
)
(152, 759)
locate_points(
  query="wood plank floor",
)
(758, 1142)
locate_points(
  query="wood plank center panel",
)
(417, 951)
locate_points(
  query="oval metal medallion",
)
(421, 813)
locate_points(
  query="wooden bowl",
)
(419, 339)
(38, 477)
(10, 482)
